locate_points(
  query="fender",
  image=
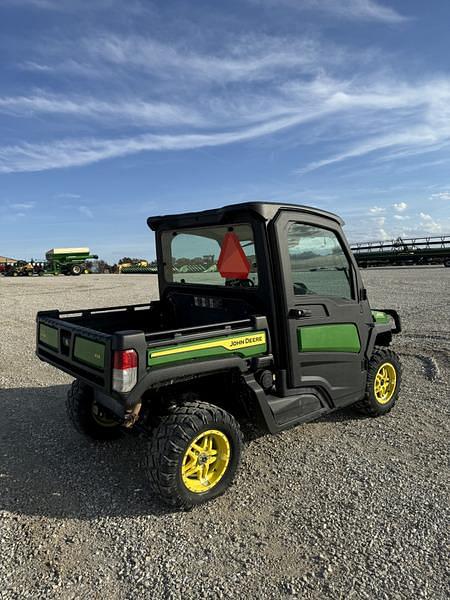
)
(382, 325)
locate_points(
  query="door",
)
(326, 324)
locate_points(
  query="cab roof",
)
(265, 210)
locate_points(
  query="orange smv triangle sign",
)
(232, 263)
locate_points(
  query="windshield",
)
(222, 255)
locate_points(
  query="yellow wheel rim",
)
(385, 383)
(205, 461)
(100, 418)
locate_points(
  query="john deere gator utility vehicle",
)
(262, 317)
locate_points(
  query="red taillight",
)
(125, 369)
(125, 359)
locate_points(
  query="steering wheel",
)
(240, 283)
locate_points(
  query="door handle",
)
(299, 313)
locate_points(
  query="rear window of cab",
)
(222, 255)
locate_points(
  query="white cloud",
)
(244, 59)
(441, 196)
(31, 65)
(70, 153)
(364, 10)
(376, 210)
(86, 211)
(22, 205)
(68, 196)
(400, 206)
(428, 224)
(131, 110)
(78, 152)
(211, 99)
(133, 6)
(401, 217)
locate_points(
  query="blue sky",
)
(112, 111)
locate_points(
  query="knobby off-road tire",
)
(88, 417)
(383, 383)
(193, 454)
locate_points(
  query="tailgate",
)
(79, 351)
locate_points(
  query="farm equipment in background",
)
(64, 261)
(142, 266)
(68, 261)
(20, 268)
(407, 252)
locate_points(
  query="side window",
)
(318, 262)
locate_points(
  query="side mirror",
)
(363, 294)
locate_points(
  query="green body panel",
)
(380, 317)
(89, 352)
(48, 335)
(233, 345)
(341, 337)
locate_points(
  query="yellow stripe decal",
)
(246, 341)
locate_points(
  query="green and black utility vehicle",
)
(262, 317)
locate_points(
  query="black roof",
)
(266, 210)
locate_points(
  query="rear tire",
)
(194, 454)
(384, 376)
(77, 269)
(88, 417)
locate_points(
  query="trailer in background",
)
(414, 251)
(68, 261)
(138, 267)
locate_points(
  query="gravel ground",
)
(345, 507)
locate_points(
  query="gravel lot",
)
(345, 507)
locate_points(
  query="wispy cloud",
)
(355, 10)
(70, 153)
(68, 196)
(247, 58)
(88, 107)
(412, 119)
(22, 205)
(86, 212)
(440, 196)
(131, 6)
(394, 119)
(245, 88)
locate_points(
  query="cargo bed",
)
(82, 343)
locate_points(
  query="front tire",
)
(88, 417)
(194, 454)
(383, 383)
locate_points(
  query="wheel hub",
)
(205, 461)
(101, 418)
(385, 383)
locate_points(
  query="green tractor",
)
(68, 261)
